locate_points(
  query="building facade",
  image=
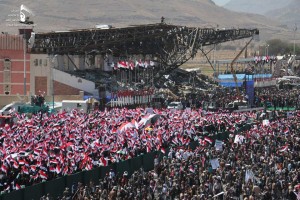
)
(14, 65)
(50, 75)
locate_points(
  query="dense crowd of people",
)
(260, 163)
(271, 96)
(45, 147)
(278, 98)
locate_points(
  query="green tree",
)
(279, 47)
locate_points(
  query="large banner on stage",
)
(250, 91)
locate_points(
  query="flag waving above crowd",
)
(41, 148)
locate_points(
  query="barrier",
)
(34, 192)
(92, 175)
(148, 161)
(55, 187)
(135, 164)
(74, 179)
(103, 171)
(14, 195)
(123, 166)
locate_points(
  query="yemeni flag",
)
(163, 150)
(58, 169)
(202, 142)
(21, 162)
(25, 170)
(43, 175)
(16, 165)
(284, 148)
(4, 168)
(123, 64)
(52, 169)
(33, 168)
(36, 152)
(140, 63)
(131, 65)
(207, 139)
(17, 186)
(191, 168)
(286, 130)
(65, 170)
(148, 147)
(103, 161)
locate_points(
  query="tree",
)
(279, 47)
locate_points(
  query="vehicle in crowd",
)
(53, 108)
(288, 82)
(211, 106)
(103, 26)
(158, 102)
(237, 105)
(175, 105)
(12, 107)
(68, 105)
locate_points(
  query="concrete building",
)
(51, 75)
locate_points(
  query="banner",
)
(249, 175)
(238, 139)
(215, 163)
(250, 90)
(219, 145)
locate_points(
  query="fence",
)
(56, 187)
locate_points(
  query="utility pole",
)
(295, 29)
(52, 79)
(24, 60)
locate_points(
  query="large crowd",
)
(278, 98)
(260, 163)
(271, 96)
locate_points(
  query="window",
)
(36, 62)
(45, 62)
(7, 64)
(41, 62)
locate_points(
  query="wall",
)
(75, 82)
(43, 74)
(40, 74)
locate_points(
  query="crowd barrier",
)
(56, 187)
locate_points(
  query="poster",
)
(219, 145)
(215, 163)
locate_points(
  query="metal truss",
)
(171, 45)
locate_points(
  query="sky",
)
(221, 2)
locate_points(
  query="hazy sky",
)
(221, 2)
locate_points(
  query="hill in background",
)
(256, 6)
(75, 14)
(284, 12)
(288, 15)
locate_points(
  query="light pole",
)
(267, 50)
(52, 79)
(295, 29)
(24, 39)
